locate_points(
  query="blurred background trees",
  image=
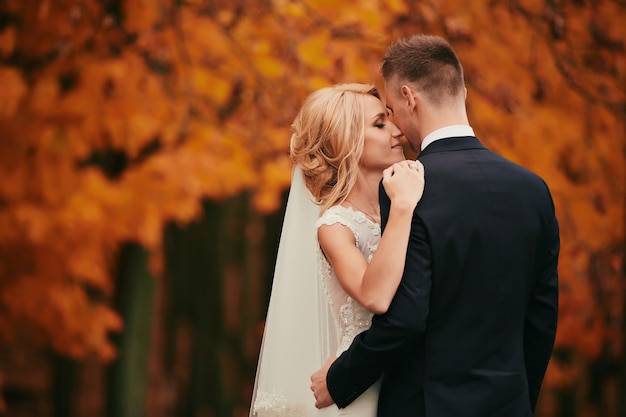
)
(144, 165)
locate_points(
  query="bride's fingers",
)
(415, 165)
(408, 165)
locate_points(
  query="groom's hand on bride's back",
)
(319, 388)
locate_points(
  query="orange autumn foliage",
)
(118, 117)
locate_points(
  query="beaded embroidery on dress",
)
(350, 317)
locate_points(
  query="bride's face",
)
(383, 145)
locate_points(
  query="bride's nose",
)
(395, 132)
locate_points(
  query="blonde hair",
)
(327, 140)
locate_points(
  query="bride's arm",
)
(374, 285)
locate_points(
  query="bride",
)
(333, 270)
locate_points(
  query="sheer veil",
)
(299, 331)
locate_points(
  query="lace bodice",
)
(350, 317)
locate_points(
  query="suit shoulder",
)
(520, 169)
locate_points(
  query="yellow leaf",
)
(313, 50)
(270, 66)
(291, 9)
(315, 83)
(396, 6)
(208, 83)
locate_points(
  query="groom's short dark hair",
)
(428, 62)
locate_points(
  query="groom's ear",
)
(409, 97)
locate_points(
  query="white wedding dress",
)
(310, 317)
(350, 317)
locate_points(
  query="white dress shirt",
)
(453, 131)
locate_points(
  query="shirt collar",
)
(447, 132)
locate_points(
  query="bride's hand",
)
(319, 388)
(404, 183)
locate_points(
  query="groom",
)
(472, 326)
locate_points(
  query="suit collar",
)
(453, 144)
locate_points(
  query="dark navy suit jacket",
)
(472, 325)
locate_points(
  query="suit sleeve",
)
(541, 318)
(374, 350)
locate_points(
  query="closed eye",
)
(379, 120)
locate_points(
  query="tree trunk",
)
(206, 257)
(65, 372)
(128, 376)
(193, 262)
(218, 273)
